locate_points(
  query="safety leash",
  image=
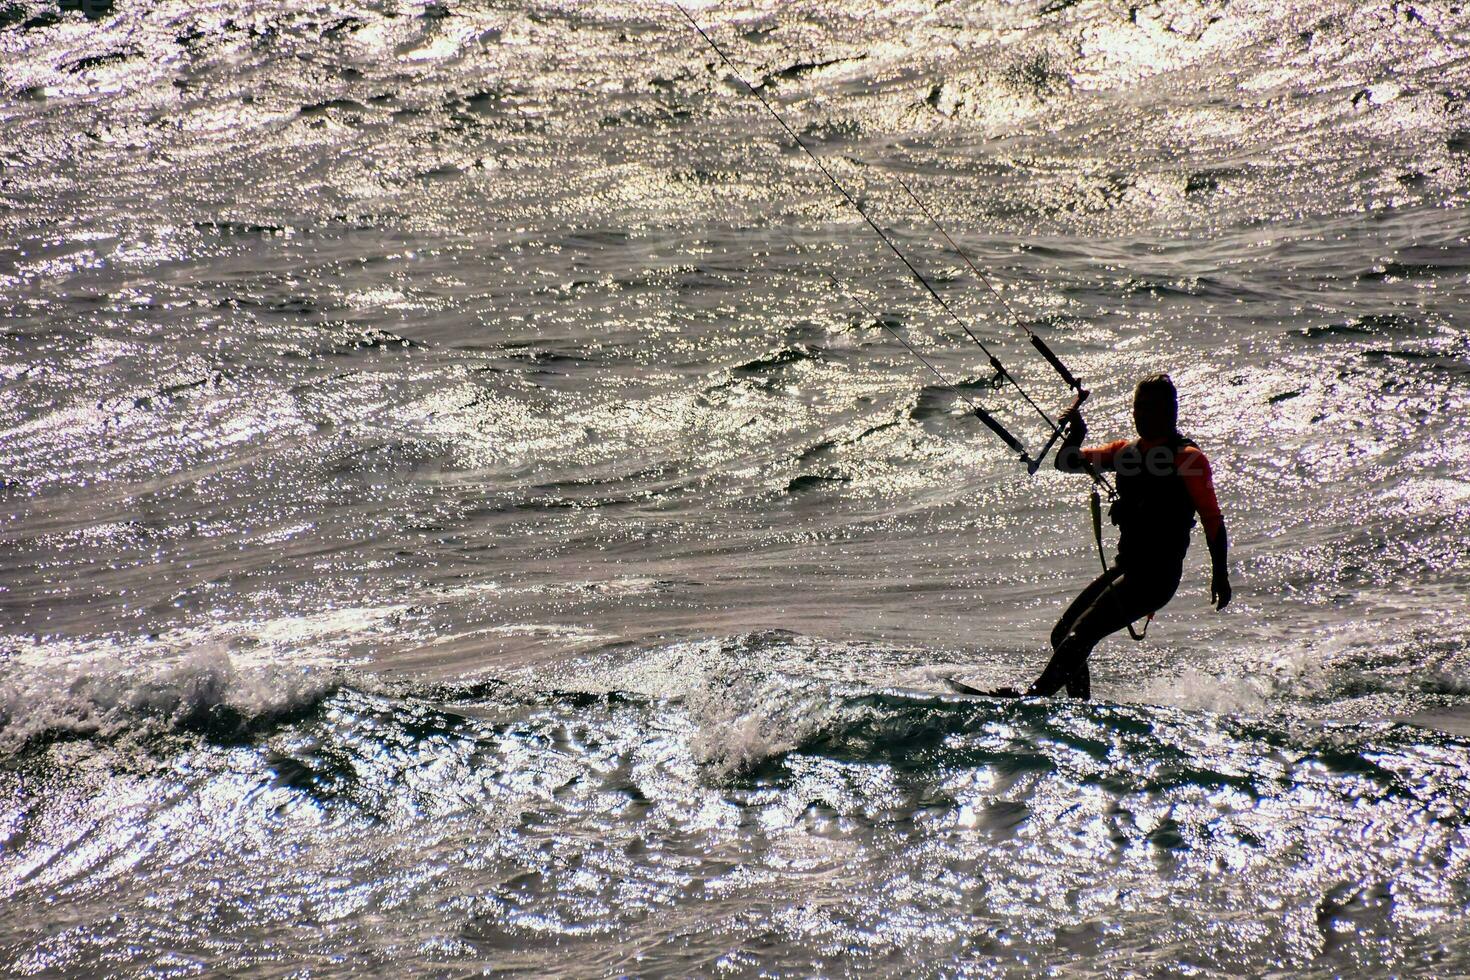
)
(1096, 505)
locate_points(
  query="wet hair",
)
(1158, 389)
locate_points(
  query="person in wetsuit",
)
(1163, 481)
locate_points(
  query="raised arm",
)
(1068, 458)
(1072, 458)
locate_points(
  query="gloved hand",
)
(1220, 591)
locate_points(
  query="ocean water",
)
(452, 525)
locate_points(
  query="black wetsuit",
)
(1154, 514)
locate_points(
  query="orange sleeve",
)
(1193, 467)
(1102, 456)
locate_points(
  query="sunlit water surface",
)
(451, 523)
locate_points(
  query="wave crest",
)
(107, 698)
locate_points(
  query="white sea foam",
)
(749, 697)
(1255, 683)
(1203, 691)
(744, 721)
(108, 697)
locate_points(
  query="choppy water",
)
(450, 523)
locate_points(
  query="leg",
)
(1079, 605)
(1113, 607)
(1079, 683)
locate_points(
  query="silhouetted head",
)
(1156, 407)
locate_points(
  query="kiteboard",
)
(960, 687)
